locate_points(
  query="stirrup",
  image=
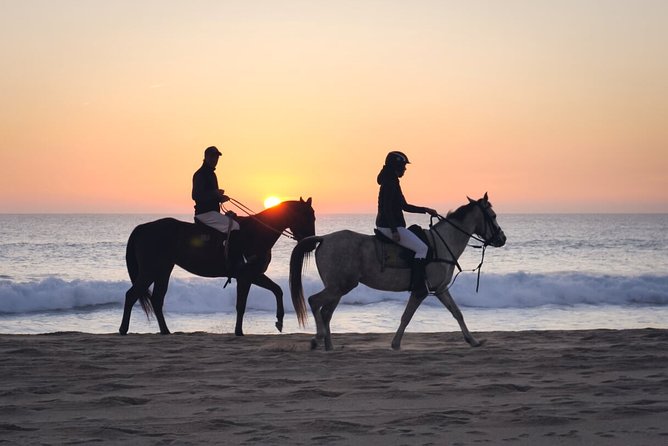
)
(427, 286)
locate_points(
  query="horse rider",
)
(208, 196)
(390, 218)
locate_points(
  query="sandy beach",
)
(593, 387)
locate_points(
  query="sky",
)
(549, 106)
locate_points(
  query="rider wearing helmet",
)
(390, 218)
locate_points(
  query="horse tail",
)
(303, 248)
(131, 257)
(132, 264)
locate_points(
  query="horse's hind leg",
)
(412, 305)
(450, 304)
(158, 300)
(316, 302)
(327, 311)
(131, 296)
(323, 305)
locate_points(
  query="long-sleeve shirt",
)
(391, 201)
(205, 190)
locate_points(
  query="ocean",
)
(556, 272)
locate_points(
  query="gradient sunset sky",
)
(550, 106)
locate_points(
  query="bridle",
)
(252, 215)
(489, 224)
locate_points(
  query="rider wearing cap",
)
(390, 218)
(208, 196)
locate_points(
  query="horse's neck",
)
(456, 239)
(270, 225)
(275, 221)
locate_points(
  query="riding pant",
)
(408, 240)
(218, 221)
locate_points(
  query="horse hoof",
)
(396, 347)
(122, 333)
(279, 326)
(238, 333)
(314, 344)
(479, 343)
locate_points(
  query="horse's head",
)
(301, 218)
(487, 227)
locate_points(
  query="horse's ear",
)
(471, 200)
(309, 201)
(485, 197)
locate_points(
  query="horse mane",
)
(277, 211)
(458, 214)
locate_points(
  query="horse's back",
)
(352, 246)
(346, 239)
(159, 229)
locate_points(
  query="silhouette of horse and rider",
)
(429, 267)
(225, 245)
(216, 245)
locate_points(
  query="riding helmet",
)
(396, 158)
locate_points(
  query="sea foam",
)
(197, 295)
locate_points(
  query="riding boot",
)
(235, 258)
(418, 277)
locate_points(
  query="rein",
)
(454, 261)
(251, 214)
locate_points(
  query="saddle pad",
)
(391, 255)
(207, 237)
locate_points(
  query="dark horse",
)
(155, 247)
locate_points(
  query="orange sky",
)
(549, 106)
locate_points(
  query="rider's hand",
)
(431, 212)
(396, 237)
(221, 196)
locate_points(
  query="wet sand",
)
(592, 387)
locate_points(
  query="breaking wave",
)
(514, 290)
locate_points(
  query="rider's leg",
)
(409, 240)
(218, 221)
(418, 274)
(230, 228)
(418, 277)
(235, 258)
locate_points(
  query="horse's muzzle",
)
(499, 240)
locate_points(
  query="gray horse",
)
(346, 258)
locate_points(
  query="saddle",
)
(391, 255)
(207, 237)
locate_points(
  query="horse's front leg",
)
(265, 282)
(412, 305)
(243, 287)
(450, 304)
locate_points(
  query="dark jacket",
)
(391, 201)
(205, 190)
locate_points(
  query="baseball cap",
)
(212, 150)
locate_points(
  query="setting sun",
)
(271, 201)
